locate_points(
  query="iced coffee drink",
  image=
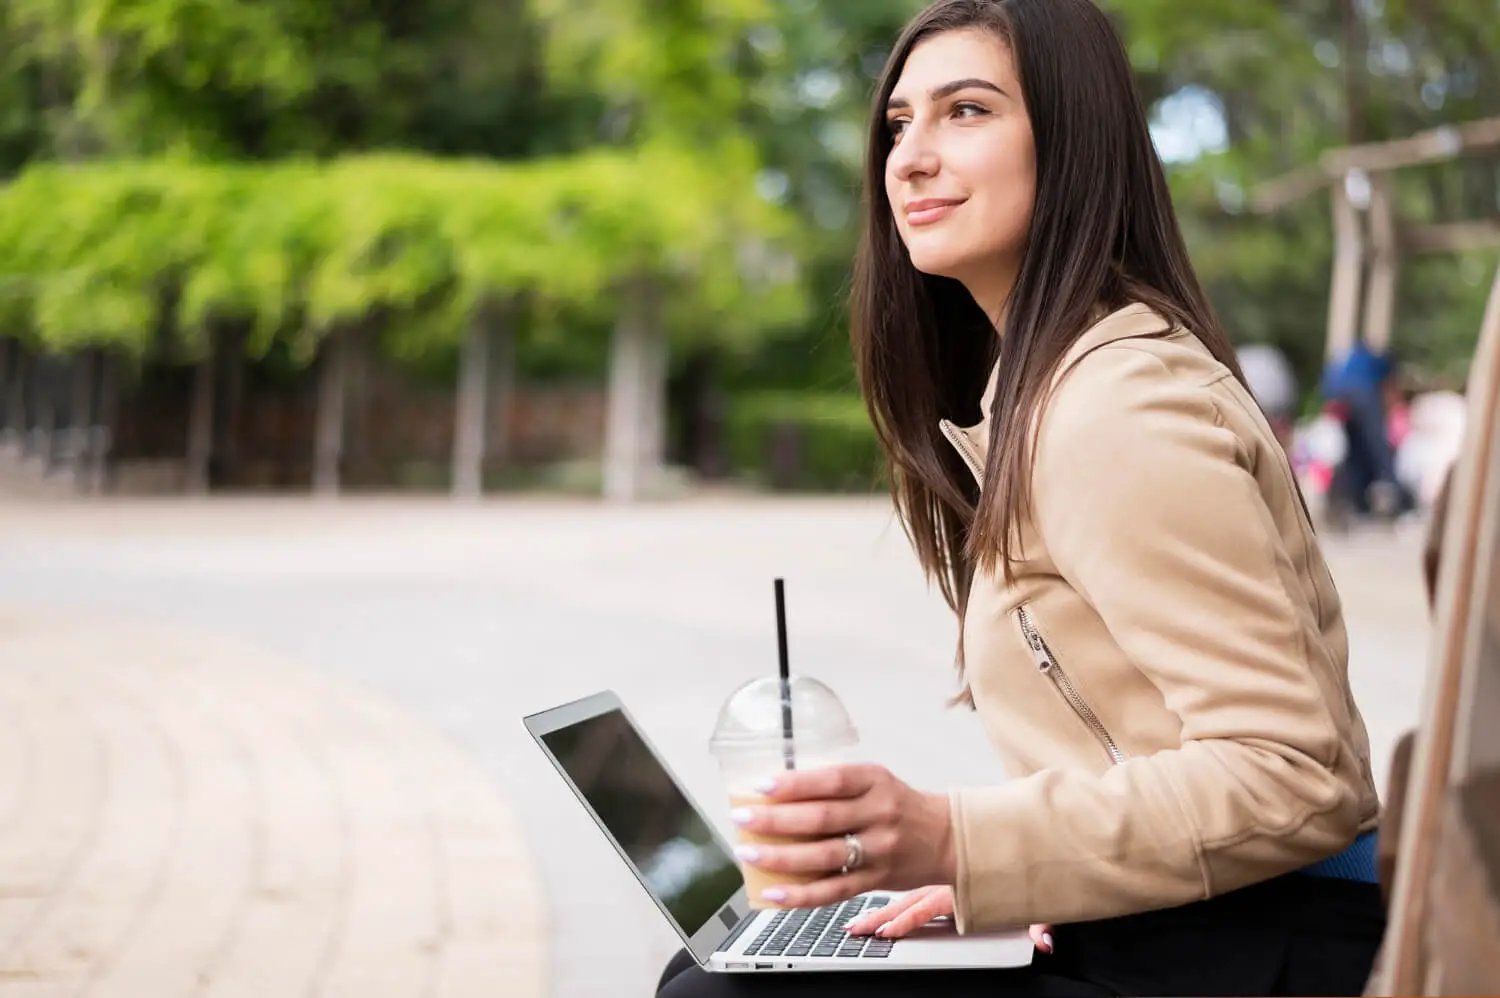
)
(765, 728)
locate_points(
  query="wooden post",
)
(471, 408)
(329, 444)
(1405, 967)
(1348, 272)
(200, 449)
(1450, 237)
(1380, 299)
(632, 438)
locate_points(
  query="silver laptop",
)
(690, 873)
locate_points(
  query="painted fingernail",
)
(746, 854)
(1047, 941)
(773, 894)
(766, 786)
(742, 816)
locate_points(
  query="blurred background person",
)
(1358, 388)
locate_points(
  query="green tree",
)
(1292, 81)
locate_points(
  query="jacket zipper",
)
(965, 448)
(1048, 665)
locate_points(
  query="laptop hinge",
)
(736, 932)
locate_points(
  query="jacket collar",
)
(1136, 319)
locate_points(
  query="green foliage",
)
(394, 163)
(668, 65)
(110, 252)
(1443, 301)
(800, 441)
(270, 78)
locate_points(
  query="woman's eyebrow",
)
(947, 90)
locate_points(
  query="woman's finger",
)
(872, 920)
(820, 856)
(1041, 937)
(818, 818)
(837, 782)
(939, 902)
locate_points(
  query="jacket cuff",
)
(961, 864)
(982, 860)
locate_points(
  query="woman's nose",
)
(914, 156)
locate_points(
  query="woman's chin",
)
(976, 271)
(938, 264)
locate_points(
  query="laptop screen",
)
(636, 799)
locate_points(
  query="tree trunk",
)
(81, 414)
(1356, 80)
(633, 439)
(17, 378)
(200, 451)
(11, 401)
(362, 370)
(8, 352)
(44, 406)
(230, 370)
(101, 435)
(329, 443)
(697, 403)
(502, 385)
(471, 409)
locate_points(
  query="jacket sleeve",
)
(1148, 509)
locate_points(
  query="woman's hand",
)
(906, 836)
(906, 914)
(915, 909)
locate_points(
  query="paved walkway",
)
(196, 819)
(273, 748)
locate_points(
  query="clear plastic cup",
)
(751, 743)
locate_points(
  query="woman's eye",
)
(896, 126)
(964, 109)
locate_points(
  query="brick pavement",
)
(191, 818)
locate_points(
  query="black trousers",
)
(1295, 935)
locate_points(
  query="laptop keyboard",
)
(820, 932)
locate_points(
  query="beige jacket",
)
(1167, 681)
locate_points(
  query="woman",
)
(1148, 630)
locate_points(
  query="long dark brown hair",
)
(1102, 235)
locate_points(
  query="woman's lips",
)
(931, 210)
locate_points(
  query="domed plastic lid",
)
(752, 717)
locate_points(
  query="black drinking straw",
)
(786, 677)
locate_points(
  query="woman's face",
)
(961, 177)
